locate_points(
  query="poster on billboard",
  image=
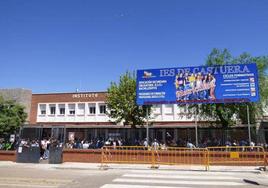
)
(230, 83)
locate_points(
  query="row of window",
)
(71, 109)
(81, 109)
(169, 109)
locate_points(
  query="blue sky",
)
(58, 46)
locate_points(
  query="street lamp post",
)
(147, 126)
(196, 131)
(249, 131)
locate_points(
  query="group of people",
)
(114, 142)
(46, 143)
(44, 149)
(94, 143)
(43, 145)
(28, 143)
(190, 86)
(6, 145)
(85, 144)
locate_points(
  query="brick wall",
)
(7, 155)
(85, 156)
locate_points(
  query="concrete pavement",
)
(133, 176)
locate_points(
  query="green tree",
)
(121, 102)
(12, 116)
(227, 114)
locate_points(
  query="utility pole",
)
(196, 131)
(249, 131)
(147, 126)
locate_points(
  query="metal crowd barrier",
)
(153, 156)
(126, 154)
(237, 155)
(181, 156)
(244, 155)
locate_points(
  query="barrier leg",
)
(265, 161)
(103, 166)
(207, 160)
(153, 160)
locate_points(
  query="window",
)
(42, 108)
(52, 109)
(92, 109)
(157, 109)
(71, 109)
(62, 109)
(102, 109)
(81, 109)
(183, 109)
(168, 109)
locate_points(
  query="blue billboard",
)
(230, 83)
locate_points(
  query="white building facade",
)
(83, 115)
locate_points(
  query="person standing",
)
(155, 145)
(145, 143)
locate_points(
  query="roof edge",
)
(59, 93)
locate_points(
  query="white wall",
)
(67, 117)
(164, 112)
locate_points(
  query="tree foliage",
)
(121, 102)
(12, 116)
(228, 114)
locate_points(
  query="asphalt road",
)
(46, 176)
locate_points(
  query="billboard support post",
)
(196, 132)
(147, 126)
(249, 131)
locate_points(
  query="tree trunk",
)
(224, 123)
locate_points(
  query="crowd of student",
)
(94, 143)
(42, 145)
(99, 143)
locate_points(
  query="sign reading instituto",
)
(85, 95)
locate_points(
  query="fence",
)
(126, 154)
(184, 156)
(155, 157)
(180, 156)
(240, 155)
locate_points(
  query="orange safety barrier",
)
(126, 154)
(154, 156)
(181, 156)
(237, 155)
(240, 155)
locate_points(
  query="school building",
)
(82, 115)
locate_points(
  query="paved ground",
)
(78, 175)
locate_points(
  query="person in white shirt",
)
(190, 145)
(85, 145)
(155, 144)
(114, 144)
(252, 145)
(145, 143)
